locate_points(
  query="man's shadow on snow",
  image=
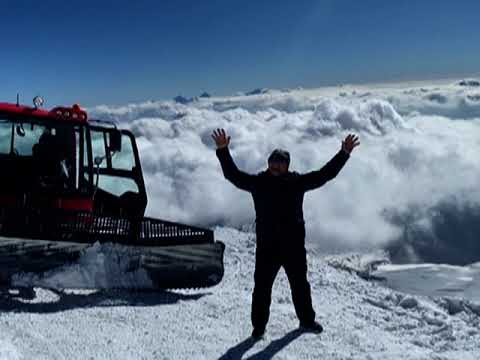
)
(12, 301)
(236, 352)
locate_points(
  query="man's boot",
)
(313, 327)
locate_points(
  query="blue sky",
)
(122, 51)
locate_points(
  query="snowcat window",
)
(81, 160)
(117, 185)
(78, 165)
(5, 137)
(125, 159)
(43, 153)
(120, 181)
(26, 136)
(98, 147)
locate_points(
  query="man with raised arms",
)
(278, 198)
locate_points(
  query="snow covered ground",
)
(434, 279)
(411, 188)
(362, 320)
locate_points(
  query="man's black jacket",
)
(278, 199)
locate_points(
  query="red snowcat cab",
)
(67, 182)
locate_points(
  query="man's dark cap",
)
(279, 155)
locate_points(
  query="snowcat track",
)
(173, 255)
(168, 267)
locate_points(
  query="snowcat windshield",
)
(44, 151)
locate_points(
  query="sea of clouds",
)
(412, 186)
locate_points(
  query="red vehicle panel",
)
(74, 114)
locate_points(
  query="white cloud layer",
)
(419, 151)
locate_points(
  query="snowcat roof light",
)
(75, 113)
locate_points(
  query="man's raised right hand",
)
(221, 139)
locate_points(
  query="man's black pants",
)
(267, 265)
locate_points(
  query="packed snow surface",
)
(434, 279)
(362, 320)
